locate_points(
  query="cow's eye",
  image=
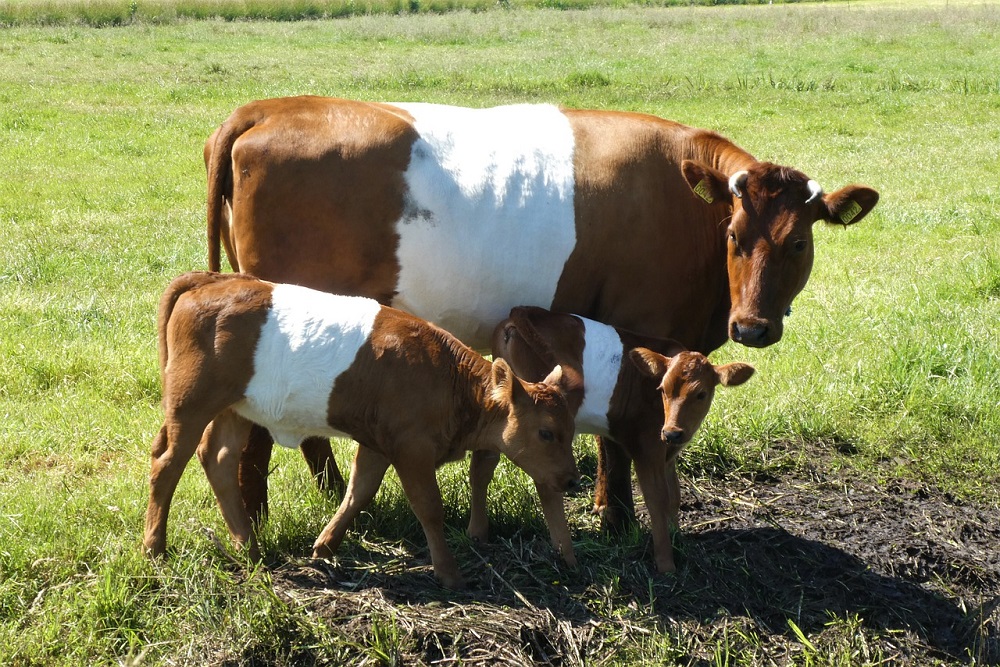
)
(702, 395)
(732, 237)
(546, 435)
(800, 245)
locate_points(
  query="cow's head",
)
(538, 436)
(687, 383)
(770, 238)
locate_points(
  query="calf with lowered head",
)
(648, 394)
(236, 351)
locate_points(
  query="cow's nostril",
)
(672, 435)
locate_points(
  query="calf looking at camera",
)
(648, 394)
(237, 351)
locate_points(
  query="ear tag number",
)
(701, 189)
(850, 212)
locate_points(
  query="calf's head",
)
(769, 238)
(538, 435)
(687, 384)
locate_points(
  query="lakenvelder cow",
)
(456, 215)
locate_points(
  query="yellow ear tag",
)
(701, 189)
(850, 212)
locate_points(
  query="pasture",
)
(842, 508)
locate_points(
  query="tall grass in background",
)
(103, 13)
(889, 366)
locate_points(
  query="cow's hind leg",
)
(173, 447)
(367, 472)
(481, 468)
(219, 454)
(613, 487)
(319, 457)
(253, 472)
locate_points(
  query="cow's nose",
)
(752, 335)
(672, 435)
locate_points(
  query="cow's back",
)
(457, 215)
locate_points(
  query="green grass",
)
(890, 359)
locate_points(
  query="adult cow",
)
(456, 215)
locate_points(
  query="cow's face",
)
(687, 383)
(538, 436)
(769, 238)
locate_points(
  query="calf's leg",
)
(555, 519)
(481, 469)
(651, 471)
(173, 447)
(367, 471)
(420, 485)
(219, 454)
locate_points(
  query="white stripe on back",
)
(602, 361)
(488, 221)
(309, 339)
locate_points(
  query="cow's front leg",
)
(420, 485)
(613, 487)
(482, 465)
(367, 472)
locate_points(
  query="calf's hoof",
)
(451, 581)
(323, 550)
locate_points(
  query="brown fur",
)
(660, 400)
(315, 185)
(414, 397)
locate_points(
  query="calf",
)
(236, 351)
(652, 404)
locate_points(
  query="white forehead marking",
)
(602, 361)
(488, 221)
(307, 341)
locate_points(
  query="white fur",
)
(602, 361)
(488, 222)
(307, 341)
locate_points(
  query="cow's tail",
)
(218, 164)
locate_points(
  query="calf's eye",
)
(799, 245)
(702, 395)
(546, 435)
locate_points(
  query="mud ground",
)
(809, 566)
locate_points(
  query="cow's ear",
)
(849, 204)
(709, 184)
(648, 362)
(734, 374)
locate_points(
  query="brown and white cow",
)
(650, 394)
(457, 215)
(236, 351)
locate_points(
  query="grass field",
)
(887, 377)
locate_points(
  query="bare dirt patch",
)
(770, 571)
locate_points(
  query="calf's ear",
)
(849, 204)
(736, 373)
(503, 380)
(649, 363)
(709, 184)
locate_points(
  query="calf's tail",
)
(175, 290)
